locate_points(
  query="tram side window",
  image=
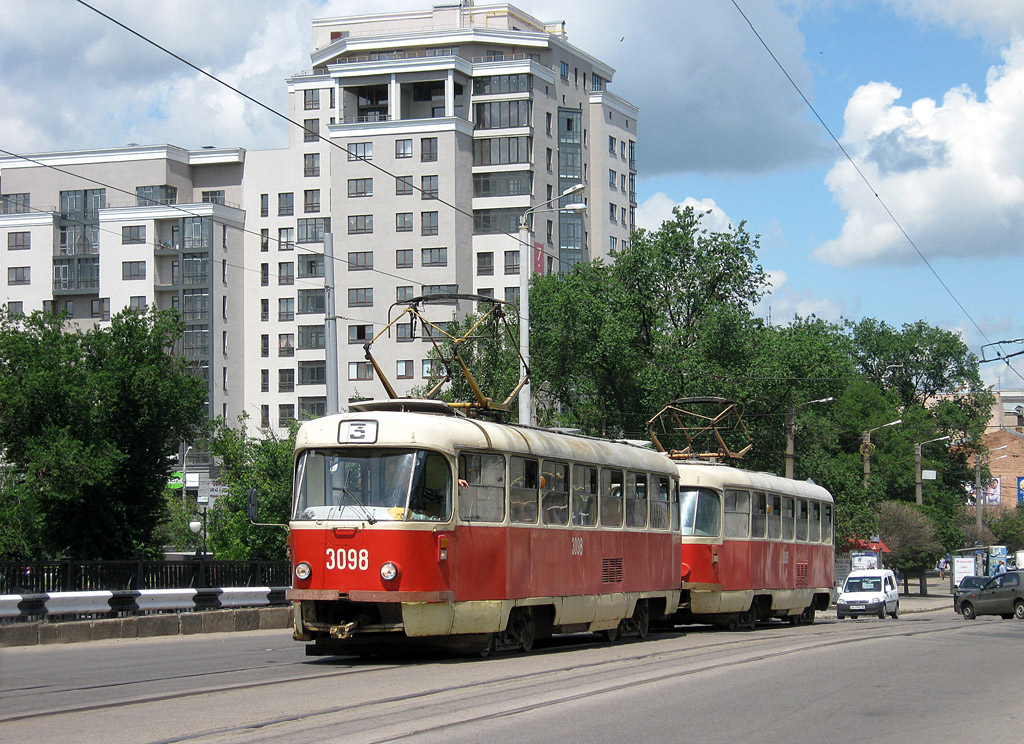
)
(522, 492)
(482, 499)
(814, 533)
(774, 517)
(759, 514)
(826, 523)
(700, 511)
(584, 496)
(801, 520)
(554, 485)
(611, 498)
(737, 513)
(659, 504)
(636, 500)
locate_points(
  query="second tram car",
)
(411, 522)
(755, 546)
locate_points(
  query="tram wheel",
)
(612, 634)
(642, 619)
(525, 630)
(807, 616)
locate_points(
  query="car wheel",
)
(967, 610)
(881, 612)
(840, 616)
(1018, 609)
(895, 614)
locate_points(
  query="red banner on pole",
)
(538, 258)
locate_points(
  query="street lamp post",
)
(918, 490)
(525, 270)
(791, 432)
(979, 495)
(195, 525)
(866, 447)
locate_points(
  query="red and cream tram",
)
(755, 546)
(412, 522)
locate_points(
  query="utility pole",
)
(330, 327)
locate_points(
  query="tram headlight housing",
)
(303, 571)
(389, 571)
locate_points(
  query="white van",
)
(869, 592)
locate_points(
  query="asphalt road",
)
(929, 677)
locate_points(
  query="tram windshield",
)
(700, 511)
(371, 485)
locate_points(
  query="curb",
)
(146, 626)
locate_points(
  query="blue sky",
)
(926, 95)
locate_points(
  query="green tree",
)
(909, 534)
(89, 421)
(249, 462)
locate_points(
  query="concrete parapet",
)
(158, 625)
(275, 618)
(247, 619)
(218, 621)
(19, 634)
(191, 623)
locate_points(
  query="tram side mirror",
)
(251, 504)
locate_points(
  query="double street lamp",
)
(918, 491)
(791, 432)
(866, 448)
(525, 271)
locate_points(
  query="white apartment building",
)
(425, 136)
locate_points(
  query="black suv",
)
(1002, 595)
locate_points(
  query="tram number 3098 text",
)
(347, 560)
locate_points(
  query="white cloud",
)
(951, 172)
(657, 208)
(782, 303)
(998, 21)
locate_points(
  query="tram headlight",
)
(389, 571)
(303, 571)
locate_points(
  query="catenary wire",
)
(868, 183)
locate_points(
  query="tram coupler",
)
(348, 630)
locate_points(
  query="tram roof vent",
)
(404, 405)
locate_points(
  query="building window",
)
(100, 308)
(434, 257)
(403, 222)
(429, 368)
(440, 289)
(612, 243)
(311, 100)
(213, 197)
(512, 294)
(360, 224)
(264, 240)
(358, 187)
(311, 201)
(285, 344)
(360, 371)
(360, 334)
(405, 369)
(511, 262)
(312, 127)
(360, 260)
(611, 179)
(564, 70)
(311, 337)
(16, 308)
(286, 309)
(133, 234)
(265, 412)
(312, 408)
(502, 150)
(137, 303)
(285, 204)
(22, 241)
(361, 297)
(403, 148)
(612, 211)
(311, 301)
(622, 215)
(428, 149)
(285, 415)
(15, 203)
(286, 238)
(313, 372)
(264, 310)
(286, 380)
(310, 165)
(403, 258)
(485, 264)
(264, 380)
(611, 145)
(312, 229)
(360, 151)
(403, 185)
(264, 345)
(403, 293)
(286, 273)
(428, 187)
(428, 223)
(264, 274)
(403, 332)
(264, 205)
(502, 114)
(311, 265)
(132, 270)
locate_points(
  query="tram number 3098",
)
(347, 560)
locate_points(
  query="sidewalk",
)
(937, 598)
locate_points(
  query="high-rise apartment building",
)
(424, 138)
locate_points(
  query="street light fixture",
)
(525, 271)
(791, 432)
(866, 448)
(918, 490)
(979, 496)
